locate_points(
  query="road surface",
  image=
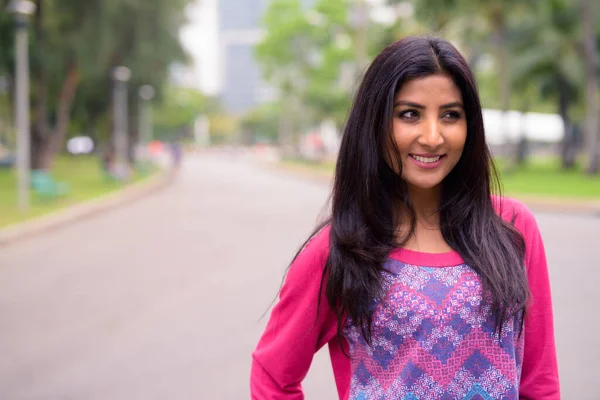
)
(162, 299)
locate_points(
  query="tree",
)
(142, 35)
(59, 31)
(262, 123)
(335, 66)
(309, 56)
(592, 99)
(546, 58)
(76, 44)
(180, 108)
(284, 57)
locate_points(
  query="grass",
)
(83, 175)
(541, 177)
(544, 177)
(301, 165)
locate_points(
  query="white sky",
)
(200, 38)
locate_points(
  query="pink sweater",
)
(431, 340)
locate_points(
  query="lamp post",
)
(146, 94)
(22, 9)
(121, 76)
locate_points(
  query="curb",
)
(57, 219)
(536, 203)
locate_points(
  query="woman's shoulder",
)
(515, 212)
(318, 244)
(312, 257)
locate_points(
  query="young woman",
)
(423, 284)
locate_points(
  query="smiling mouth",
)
(427, 160)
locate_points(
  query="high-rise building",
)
(239, 31)
(242, 84)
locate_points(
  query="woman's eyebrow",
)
(455, 104)
(408, 104)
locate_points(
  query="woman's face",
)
(430, 130)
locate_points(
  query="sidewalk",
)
(77, 212)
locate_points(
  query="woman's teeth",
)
(426, 159)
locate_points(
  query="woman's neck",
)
(426, 204)
(426, 236)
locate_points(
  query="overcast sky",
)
(200, 38)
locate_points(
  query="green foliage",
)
(74, 47)
(262, 123)
(545, 45)
(526, 54)
(223, 128)
(307, 55)
(142, 35)
(286, 24)
(181, 107)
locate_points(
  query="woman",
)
(423, 284)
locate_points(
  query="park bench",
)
(46, 187)
(7, 161)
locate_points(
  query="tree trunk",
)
(45, 142)
(523, 144)
(285, 132)
(40, 129)
(38, 148)
(63, 115)
(504, 76)
(592, 101)
(568, 147)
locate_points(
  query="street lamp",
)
(21, 10)
(121, 76)
(146, 94)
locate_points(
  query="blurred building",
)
(239, 31)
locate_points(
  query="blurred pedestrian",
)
(176, 154)
(423, 284)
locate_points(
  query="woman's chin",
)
(423, 184)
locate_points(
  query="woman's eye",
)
(409, 114)
(451, 116)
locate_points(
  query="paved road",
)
(162, 299)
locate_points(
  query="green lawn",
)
(300, 165)
(540, 177)
(544, 177)
(82, 174)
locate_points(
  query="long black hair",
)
(366, 194)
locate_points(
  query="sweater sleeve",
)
(539, 376)
(295, 331)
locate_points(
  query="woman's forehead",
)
(433, 88)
